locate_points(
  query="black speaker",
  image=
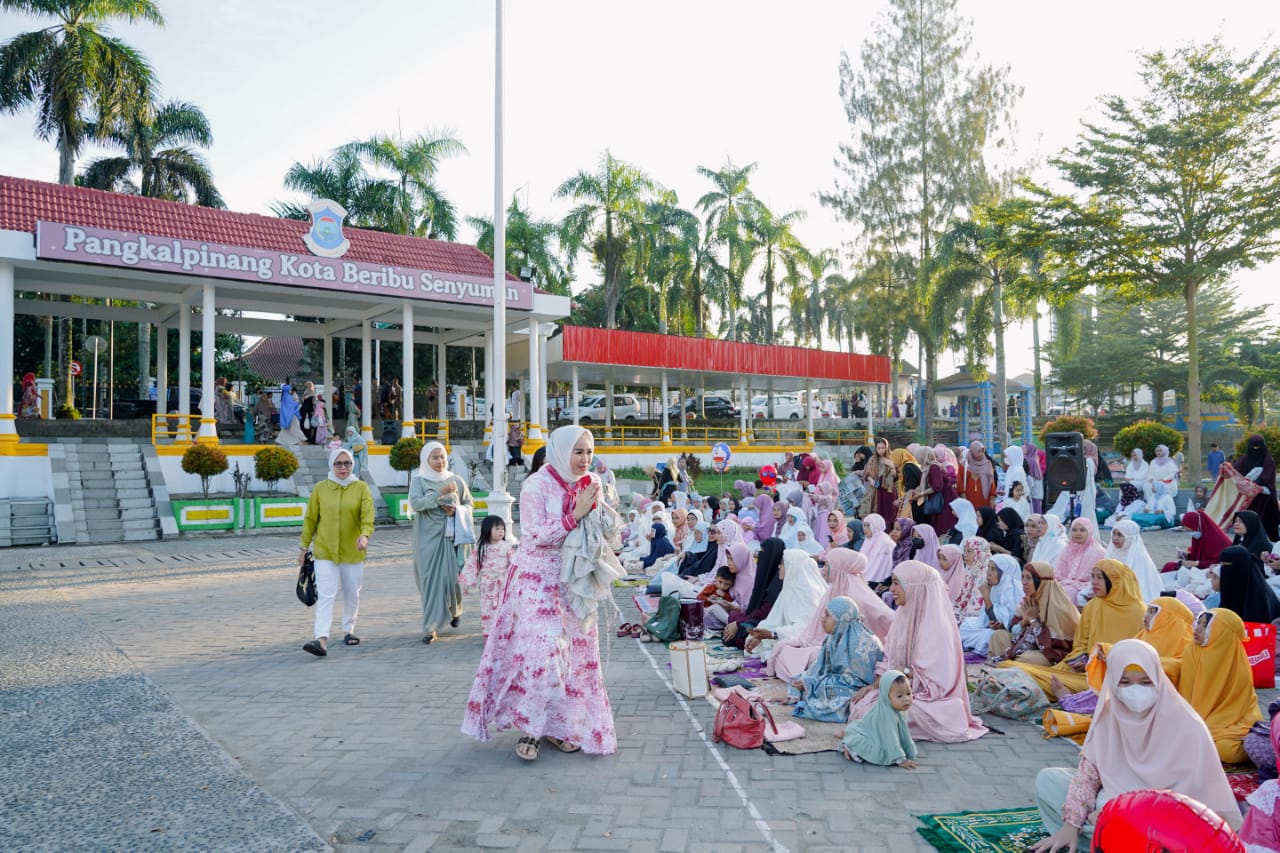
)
(1064, 460)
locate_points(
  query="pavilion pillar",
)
(162, 369)
(808, 434)
(986, 417)
(366, 382)
(544, 410)
(871, 419)
(208, 433)
(962, 420)
(536, 412)
(406, 371)
(576, 416)
(666, 416)
(8, 429)
(744, 413)
(1027, 425)
(326, 375)
(442, 384)
(489, 405)
(184, 373)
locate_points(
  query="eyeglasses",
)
(342, 465)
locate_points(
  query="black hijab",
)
(1255, 539)
(1244, 588)
(861, 456)
(987, 527)
(1011, 539)
(767, 584)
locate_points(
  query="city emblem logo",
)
(325, 237)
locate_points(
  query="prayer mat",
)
(625, 583)
(974, 657)
(818, 737)
(996, 831)
(1243, 779)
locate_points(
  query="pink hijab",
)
(877, 548)
(730, 535)
(764, 508)
(1132, 750)
(1075, 562)
(828, 476)
(745, 578)
(792, 657)
(953, 576)
(947, 457)
(929, 553)
(924, 638)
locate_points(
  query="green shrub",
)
(272, 464)
(1270, 434)
(1071, 423)
(205, 461)
(68, 413)
(1147, 435)
(406, 455)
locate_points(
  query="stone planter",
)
(397, 505)
(215, 513)
(278, 512)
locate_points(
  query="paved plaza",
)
(156, 697)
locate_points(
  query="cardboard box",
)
(689, 668)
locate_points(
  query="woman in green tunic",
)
(435, 494)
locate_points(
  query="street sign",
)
(720, 454)
(76, 369)
(95, 345)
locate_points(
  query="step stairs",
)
(111, 494)
(27, 522)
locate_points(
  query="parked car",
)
(1113, 465)
(713, 407)
(595, 408)
(784, 406)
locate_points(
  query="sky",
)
(668, 86)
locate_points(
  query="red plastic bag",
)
(1260, 648)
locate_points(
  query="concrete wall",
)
(26, 477)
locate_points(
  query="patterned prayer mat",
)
(1243, 779)
(818, 737)
(997, 831)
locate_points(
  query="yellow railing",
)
(705, 434)
(630, 435)
(431, 429)
(171, 429)
(778, 435)
(839, 436)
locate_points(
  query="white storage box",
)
(689, 668)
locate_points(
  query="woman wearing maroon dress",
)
(935, 480)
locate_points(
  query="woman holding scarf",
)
(435, 493)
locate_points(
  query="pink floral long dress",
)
(540, 671)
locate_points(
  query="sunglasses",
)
(341, 464)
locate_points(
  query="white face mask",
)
(1137, 697)
(1196, 534)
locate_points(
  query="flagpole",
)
(499, 500)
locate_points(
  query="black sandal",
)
(527, 748)
(351, 640)
(453, 623)
(429, 639)
(314, 648)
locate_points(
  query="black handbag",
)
(933, 504)
(306, 587)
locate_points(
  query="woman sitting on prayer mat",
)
(1046, 622)
(1143, 736)
(764, 592)
(1127, 547)
(925, 642)
(845, 663)
(1243, 587)
(1217, 681)
(802, 589)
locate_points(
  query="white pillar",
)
(162, 368)
(8, 430)
(744, 413)
(544, 411)
(536, 411)
(184, 372)
(809, 405)
(366, 380)
(326, 376)
(208, 433)
(499, 500)
(442, 384)
(666, 417)
(576, 393)
(488, 390)
(406, 371)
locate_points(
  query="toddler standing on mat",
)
(881, 737)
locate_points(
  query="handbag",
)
(306, 586)
(665, 624)
(740, 721)
(933, 504)
(1009, 693)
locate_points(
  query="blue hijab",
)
(288, 406)
(659, 546)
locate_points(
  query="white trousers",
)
(328, 575)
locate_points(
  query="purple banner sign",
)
(81, 244)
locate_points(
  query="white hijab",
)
(802, 590)
(788, 532)
(1134, 555)
(425, 471)
(560, 449)
(1016, 473)
(1007, 595)
(1050, 545)
(966, 518)
(1137, 469)
(333, 475)
(809, 544)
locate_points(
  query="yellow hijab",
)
(1170, 630)
(1053, 604)
(901, 456)
(1217, 681)
(1114, 617)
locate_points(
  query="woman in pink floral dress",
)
(540, 671)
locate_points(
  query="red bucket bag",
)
(740, 720)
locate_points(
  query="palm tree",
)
(809, 274)
(420, 208)
(72, 72)
(176, 172)
(610, 215)
(730, 208)
(530, 246)
(779, 249)
(368, 201)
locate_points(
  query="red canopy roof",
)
(24, 202)
(673, 352)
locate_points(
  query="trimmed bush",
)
(1270, 434)
(406, 455)
(1071, 423)
(205, 461)
(67, 413)
(692, 465)
(273, 464)
(1147, 435)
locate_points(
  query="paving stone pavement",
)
(132, 675)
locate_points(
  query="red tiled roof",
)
(275, 358)
(24, 202)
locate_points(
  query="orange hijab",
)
(1217, 681)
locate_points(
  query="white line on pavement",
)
(760, 822)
